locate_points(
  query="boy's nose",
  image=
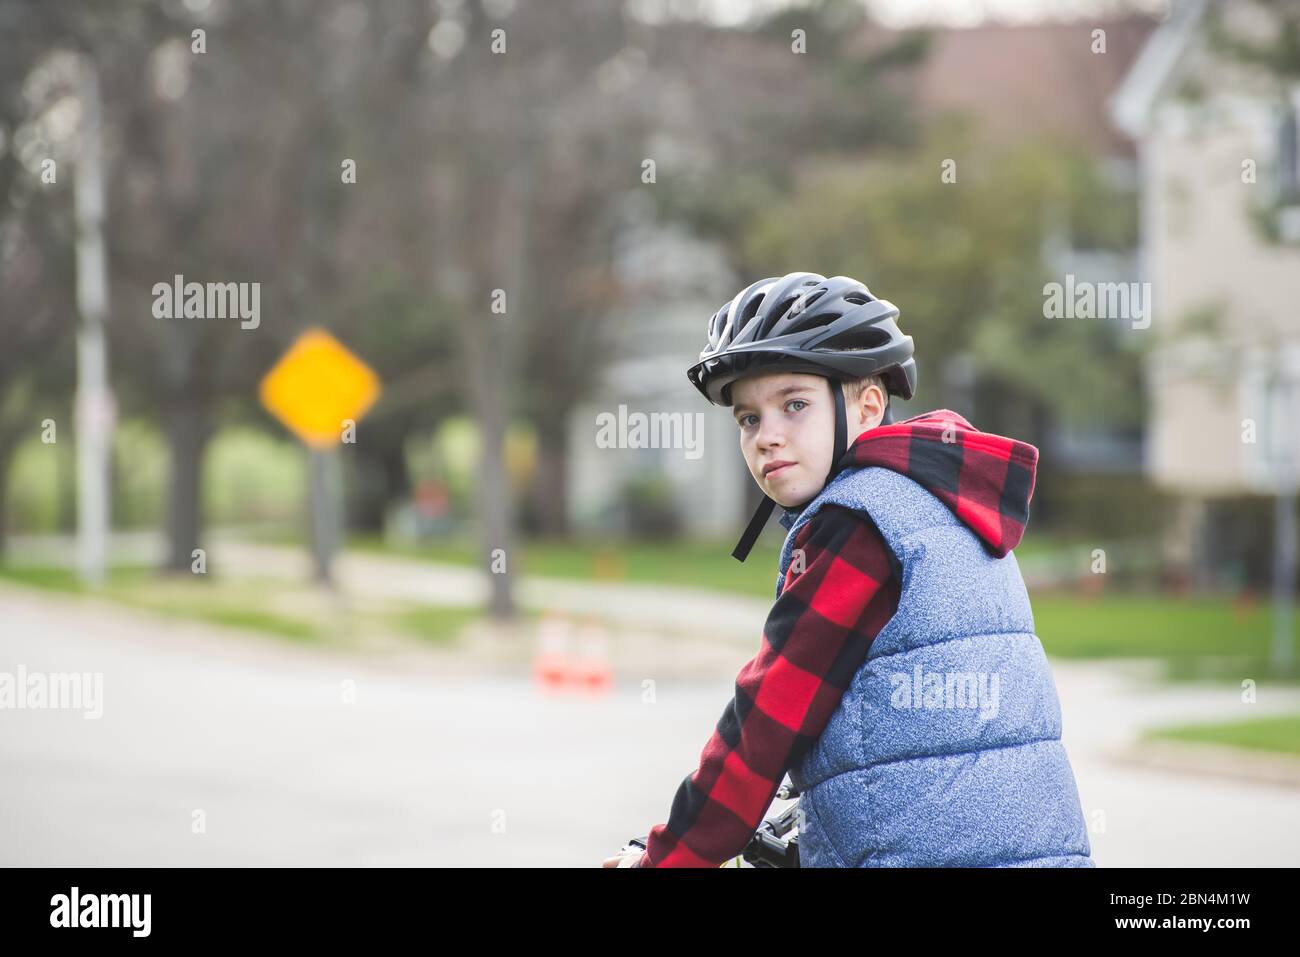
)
(769, 435)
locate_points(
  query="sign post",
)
(1284, 400)
(320, 390)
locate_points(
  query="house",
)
(1220, 246)
(691, 478)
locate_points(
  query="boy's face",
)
(787, 431)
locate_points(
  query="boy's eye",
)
(793, 401)
(744, 420)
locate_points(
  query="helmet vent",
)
(811, 299)
(854, 340)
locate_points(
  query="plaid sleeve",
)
(814, 640)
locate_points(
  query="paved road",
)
(433, 765)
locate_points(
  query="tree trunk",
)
(551, 483)
(494, 507)
(66, 464)
(189, 426)
(492, 367)
(490, 346)
(397, 479)
(379, 478)
(5, 461)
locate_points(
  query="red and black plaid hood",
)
(987, 480)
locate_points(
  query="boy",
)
(899, 681)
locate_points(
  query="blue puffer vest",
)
(946, 748)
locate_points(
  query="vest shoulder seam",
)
(944, 641)
(925, 757)
(956, 525)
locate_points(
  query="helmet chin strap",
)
(761, 515)
(765, 507)
(841, 429)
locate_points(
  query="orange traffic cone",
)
(552, 661)
(592, 672)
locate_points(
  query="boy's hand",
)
(625, 859)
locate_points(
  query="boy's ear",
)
(871, 405)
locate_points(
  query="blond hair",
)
(853, 388)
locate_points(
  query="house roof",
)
(1130, 107)
(1023, 80)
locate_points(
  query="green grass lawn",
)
(436, 623)
(1198, 638)
(65, 579)
(1120, 625)
(1262, 734)
(219, 602)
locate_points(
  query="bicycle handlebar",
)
(769, 847)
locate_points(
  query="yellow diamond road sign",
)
(316, 386)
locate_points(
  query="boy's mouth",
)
(771, 468)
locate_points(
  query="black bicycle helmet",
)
(804, 322)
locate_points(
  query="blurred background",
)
(472, 630)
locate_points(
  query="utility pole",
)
(1284, 401)
(1284, 565)
(94, 401)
